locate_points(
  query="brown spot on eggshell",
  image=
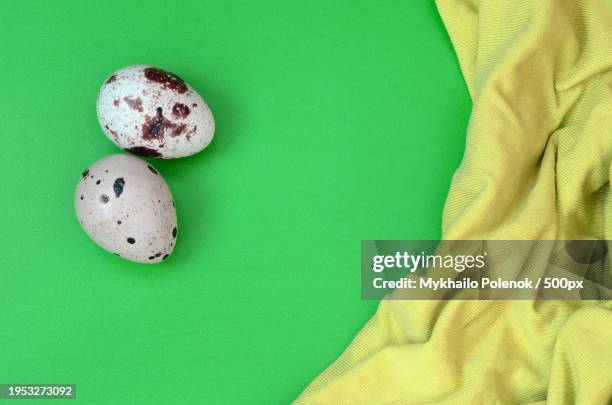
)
(134, 103)
(180, 110)
(167, 79)
(178, 129)
(116, 103)
(113, 133)
(191, 132)
(143, 151)
(111, 79)
(155, 127)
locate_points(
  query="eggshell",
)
(150, 112)
(125, 206)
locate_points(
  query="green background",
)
(336, 121)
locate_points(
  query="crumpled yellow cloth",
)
(536, 166)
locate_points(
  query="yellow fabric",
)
(536, 166)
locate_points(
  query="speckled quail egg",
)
(150, 112)
(125, 206)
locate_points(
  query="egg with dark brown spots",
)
(125, 206)
(151, 112)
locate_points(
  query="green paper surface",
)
(337, 121)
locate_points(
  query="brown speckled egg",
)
(125, 206)
(150, 112)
